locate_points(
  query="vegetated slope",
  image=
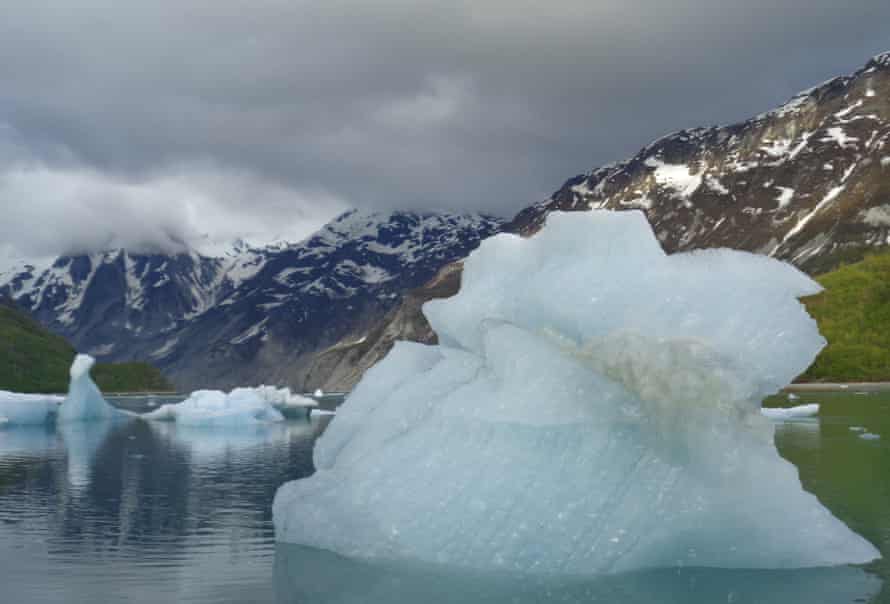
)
(32, 359)
(854, 316)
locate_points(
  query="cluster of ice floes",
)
(240, 406)
(214, 407)
(593, 406)
(84, 402)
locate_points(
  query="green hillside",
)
(34, 360)
(854, 316)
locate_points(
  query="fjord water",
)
(137, 512)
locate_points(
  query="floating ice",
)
(592, 407)
(779, 414)
(84, 401)
(28, 409)
(216, 408)
(284, 400)
(869, 436)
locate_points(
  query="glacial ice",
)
(780, 414)
(28, 409)
(216, 408)
(593, 406)
(84, 401)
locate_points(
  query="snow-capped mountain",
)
(253, 314)
(808, 182)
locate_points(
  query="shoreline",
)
(837, 387)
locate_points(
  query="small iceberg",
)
(28, 409)
(84, 402)
(240, 406)
(780, 414)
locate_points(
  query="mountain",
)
(808, 182)
(253, 314)
(34, 360)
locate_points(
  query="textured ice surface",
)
(593, 406)
(216, 408)
(780, 414)
(84, 401)
(28, 409)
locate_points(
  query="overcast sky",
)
(161, 123)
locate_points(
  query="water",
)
(132, 512)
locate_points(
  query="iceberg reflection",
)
(312, 576)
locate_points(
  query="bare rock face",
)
(340, 367)
(808, 182)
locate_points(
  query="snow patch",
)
(678, 177)
(837, 134)
(785, 196)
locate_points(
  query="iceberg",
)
(782, 414)
(18, 409)
(216, 408)
(84, 401)
(592, 407)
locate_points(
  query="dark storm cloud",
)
(196, 116)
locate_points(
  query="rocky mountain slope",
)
(254, 315)
(808, 182)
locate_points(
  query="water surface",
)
(137, 512)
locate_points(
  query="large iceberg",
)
(593, 406)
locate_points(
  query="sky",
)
(165, 125)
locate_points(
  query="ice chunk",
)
(84, 401)
(28, 409)
(780, 414)
(216, 408)
(283, 399)
(869, 436)
(593, 406)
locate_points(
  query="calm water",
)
(131, 512)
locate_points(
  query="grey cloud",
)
(266, 110)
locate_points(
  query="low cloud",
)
(156, 123)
